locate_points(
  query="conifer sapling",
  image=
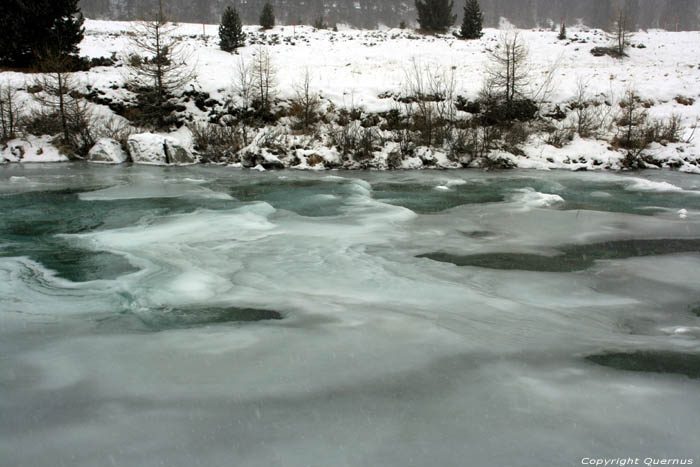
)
(472, 24)
(231, 33)
(267, 17)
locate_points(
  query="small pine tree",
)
(435, 15)
(267, 17)
(562, 32)
(231, 33)
(472, 24)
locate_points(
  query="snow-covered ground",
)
(359, 68)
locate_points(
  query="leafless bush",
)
(58, 93)
(586, 119)
(83, 127)
(272, 138)
(370, 139)
(515, 135)
(305, 106)
(345, 138)
(243, 82)
(429, 102)
(217, 143)
(114, 128)
(481, 140)
(10, 113)
(559, 135)
(636, 131)
(264, 79)
(508, 74)
(458, 145)
(664, 131)
(41, 121)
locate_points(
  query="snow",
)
(147, 148)
(177, 152)
(107, 151)
(528, 199)
(31, 149)
(353, 67)
(366, 69)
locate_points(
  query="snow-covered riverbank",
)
(366, 71)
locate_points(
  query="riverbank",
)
(361, 80)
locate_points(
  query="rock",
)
(107, 151)
(177, 153)
(272, 163)
(250, 159)
(314, 159)
(147, 148)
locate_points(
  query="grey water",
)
(209, 316)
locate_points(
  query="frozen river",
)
(216, 317)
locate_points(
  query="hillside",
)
(367, 71)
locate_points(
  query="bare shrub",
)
(345, 138)
(586, 118)
(10, 113)
(429, 102)
(61, 101)
(369, 140)
(664, 131)
(217, 143)
(305, 106)
(559, 135)
(243, 82)
(41, 121)
(58, 90)
(264, 79)
(509, 72)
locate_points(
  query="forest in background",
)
(679, 15)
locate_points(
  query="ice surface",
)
(381, 357)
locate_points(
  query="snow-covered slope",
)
(355, 67)
(365, 69)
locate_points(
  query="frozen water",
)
(209, 316)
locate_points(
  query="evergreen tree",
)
(231, 33)
(159, 66)
(562, 32)
(472, 23)
(267, 17)
(435, 15)
(31, 29)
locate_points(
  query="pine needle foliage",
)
(472, 24)
(34, 29)
(231, 35)
(435, 15)
(267, 17)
